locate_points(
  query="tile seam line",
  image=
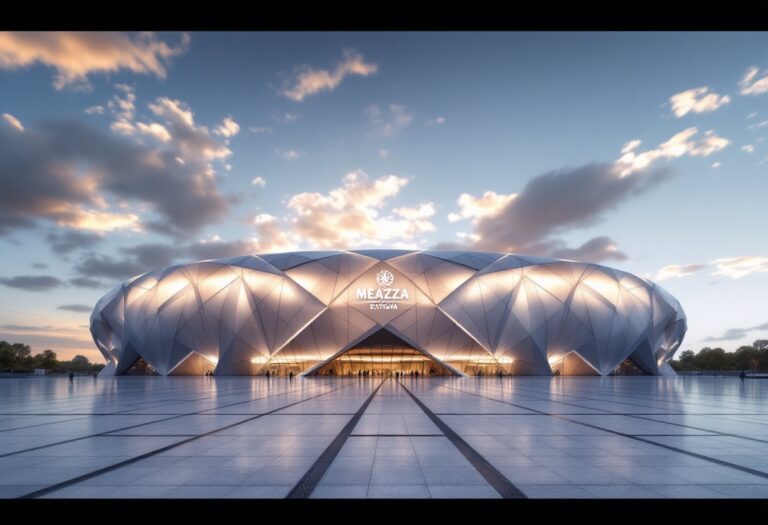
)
(311, 478)
(100, 434)
(118, 413)
(89, 475)
(497, 480)
(720, 462)
(636, 416)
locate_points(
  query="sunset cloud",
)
(13, 121)
(228, 128)
(182, 196)
(356, 215)
(677, 270)
(489, 204)
(76, 55)
(751, 85)
(696, 100)
(738, 267)
(679, 145)
(309, 81)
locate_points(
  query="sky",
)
(122, 153)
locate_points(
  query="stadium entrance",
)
(383, 354)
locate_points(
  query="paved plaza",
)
(534, 437)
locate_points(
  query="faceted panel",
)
(475, 311)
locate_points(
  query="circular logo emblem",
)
(385, 278)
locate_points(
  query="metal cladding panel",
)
(463, 308)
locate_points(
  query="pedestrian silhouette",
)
(742, 375)
(71, 376)
(290, 376)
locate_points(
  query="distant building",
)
(386, 311)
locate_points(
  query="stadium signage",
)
(385, 297)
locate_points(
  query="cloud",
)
(81, 308)
(258, 130)
(528, 221)
(490, 203)
(70, 169)
(32, 283)
(151, 256)
(437, 121)
(69, 241)
(228, 128)
(13, 121)
(677, 271)
(679, 145)
(733, 267)
(259, 181)
(308, 81)
(738, 267)
(95, 110)
(594, 250)
(99, 221)
(750, 85)
(355, 214)
(716, 165)
(134, 260)
(76, 55)
(749, 148)
(192, 142)
(155, 130)
(697, 100)
(630, 146)
(99, 265)
(389, 121)
(290, 154)
(41, 266)
(555, 202)
(85, 282)
(734, 334)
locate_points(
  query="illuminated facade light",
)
(452, 312)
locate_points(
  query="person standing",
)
(71, 377)
(290, 376)
(742, 375)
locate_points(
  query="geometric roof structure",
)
(469, 312)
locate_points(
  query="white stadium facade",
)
(382, 312)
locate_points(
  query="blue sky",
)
(122, 153)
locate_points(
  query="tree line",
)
(18, 358)
(751, 357)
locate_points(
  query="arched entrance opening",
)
(382, 354)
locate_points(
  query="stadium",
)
(382, 312)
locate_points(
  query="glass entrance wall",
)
(383, 360)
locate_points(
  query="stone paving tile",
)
(401, 491)
(441, 491)
(543, 455)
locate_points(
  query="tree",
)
(80, 363)
(46, 359)
(711, 359)
(746, 358)
(14, 356)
